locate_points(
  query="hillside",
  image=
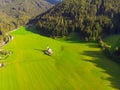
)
(14, 13)
(89, 18)
(31, 8)
(22, 10)
(73, 66)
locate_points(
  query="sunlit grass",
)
(73, 66)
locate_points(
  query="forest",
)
(89, 18)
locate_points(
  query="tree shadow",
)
(31, 29)
(110, 67)
(73, 40)
(93, 44)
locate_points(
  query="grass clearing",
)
(74, 66)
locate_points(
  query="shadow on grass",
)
(110, 67)
(32, 29)
(72, 38)
(93, 44)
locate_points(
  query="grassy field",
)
(73, 66)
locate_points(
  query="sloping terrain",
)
(31, 8)
(14, 13)
(73, 66)
(89, 18)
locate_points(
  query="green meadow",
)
(75, 65)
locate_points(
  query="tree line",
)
(89, 18)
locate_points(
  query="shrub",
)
(106, 49)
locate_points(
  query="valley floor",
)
(73, 66)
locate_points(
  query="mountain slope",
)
(90, 18)
(29, 7)
(25, 8)
(14, 13)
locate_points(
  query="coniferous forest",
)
(89, 18)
